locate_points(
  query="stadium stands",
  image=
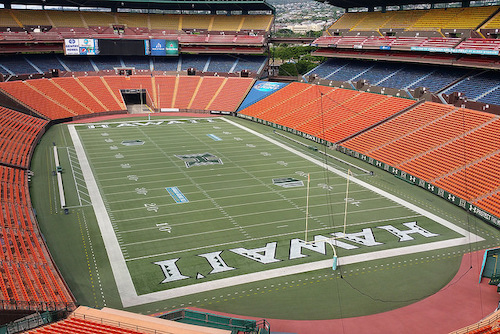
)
(393, 75)
(29, 278)
(478, 87)
(30, 64)
(453, 148)
(111, 321)
(70, 96)
(89, 24)
(17, 135)
(416, 20)
(328, 113)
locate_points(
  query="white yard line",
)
(122, 276)
(270, 236)
(123, 280)
(381, 192)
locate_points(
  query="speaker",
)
(54, 72)
(191, 71)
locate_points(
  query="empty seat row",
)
(43, 63)
(17, 134)
(83, 19)
(418, 20)
(29, 279)
(453, 148)
(328, 113)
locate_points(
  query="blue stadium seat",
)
(221, 63)
(492, 97)
(379, 72)
(107, 62)
(45, 62)
(327, 68)
(475, 86)
(351, 70)
(440, 78)
(251, 63)
(17, 65)
(78, 63)
(165, 63)
(195, 61)
(139, 63)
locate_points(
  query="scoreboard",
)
(121, 47)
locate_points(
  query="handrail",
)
(120, 324)
(490, 320)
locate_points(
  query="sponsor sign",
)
(81, 46)
(172, 48)
(158, 47)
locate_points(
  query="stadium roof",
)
(377, 3)
(191, 5)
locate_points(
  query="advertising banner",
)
(158, 47)
(172, 47)
(71, 47)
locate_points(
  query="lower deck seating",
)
(17, 134)
(453, 148)
(29, 279)
(71, 96)
(328, 113)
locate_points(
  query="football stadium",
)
(158, 176)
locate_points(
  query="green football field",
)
(211, 212)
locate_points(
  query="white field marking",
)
(119, 268)
(175, 168)
(278, 235)
(269, 223)
(250, 213)
(381, 192)
(222, 168)
(244, 195)
(285, 271)
(275, 222)
(122, 276)
(331, 194)
(78, 185)
(286, 221)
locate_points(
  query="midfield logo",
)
(200, 159)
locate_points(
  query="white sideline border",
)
(123, 279)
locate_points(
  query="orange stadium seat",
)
(329, 113)
(29, 278)
(453, 148)
(17, 134)
(207, 89)
(102, 92)
(230, 96)
(36, 99)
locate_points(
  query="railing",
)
(490, 320)
(31, 321)
(119, 324)
(14, 305)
